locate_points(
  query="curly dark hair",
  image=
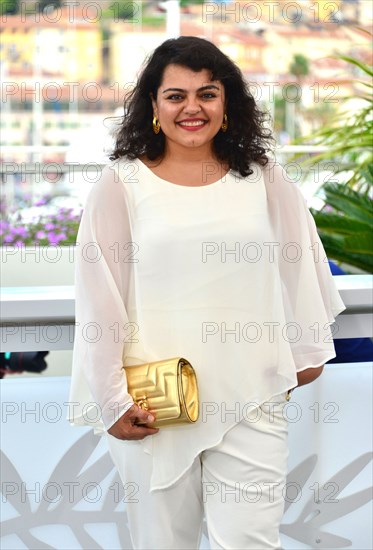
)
(247, 139)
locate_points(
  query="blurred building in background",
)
(77, 63)
(66, 68)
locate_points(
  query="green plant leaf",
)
(349, 202)
(334, 223)
(363, 66)
(346, 230)
(335, 250)
(361, 243)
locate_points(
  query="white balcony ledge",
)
(43, 317)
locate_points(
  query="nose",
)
(192, 105)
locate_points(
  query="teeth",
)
(195, 123)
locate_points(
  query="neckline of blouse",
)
(163, 181)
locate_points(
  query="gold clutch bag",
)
(168, 388)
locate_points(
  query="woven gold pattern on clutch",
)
(168, 388)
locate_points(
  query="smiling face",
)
(189, 107)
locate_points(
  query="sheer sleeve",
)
(310, 298)
(98, 388)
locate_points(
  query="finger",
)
(145, 417)
(132, 411)
(138, 413)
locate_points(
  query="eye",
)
(174, 96)
(208, 95)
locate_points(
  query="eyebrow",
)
(209, 87)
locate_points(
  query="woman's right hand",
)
(125, 427)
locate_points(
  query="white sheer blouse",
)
(231, 275)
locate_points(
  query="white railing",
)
(43, 318)
(72, 177)
(7, 150)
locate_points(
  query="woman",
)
(194, 244)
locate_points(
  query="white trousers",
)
(238, 484)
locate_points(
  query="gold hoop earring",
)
(156, 125)
(224, 126)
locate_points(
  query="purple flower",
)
(20, 230)
(43, 200)
(19, 243)
(60, 237)
(52, 237)
(8, 238)
(40, 202)
(49, 226)
(40, 235)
